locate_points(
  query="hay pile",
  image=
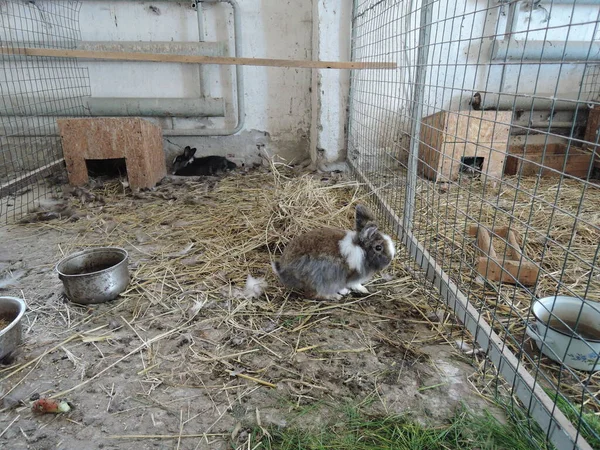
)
(200, 255)
(558, 224)
(197, 245)
(200, 237)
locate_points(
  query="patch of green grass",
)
(590, 423)
(357, 431)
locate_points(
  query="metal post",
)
(351, 81)
(201, 38)
(417, 112)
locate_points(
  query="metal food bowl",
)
(11, 311)
(563, 346)
(95, 275)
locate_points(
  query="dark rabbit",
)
(186, 165)
(328, 263)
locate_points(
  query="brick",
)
(138, 141)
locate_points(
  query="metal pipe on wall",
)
(511, 49)
(241, 112)
(559, 2)
(119, 107)
(200, 20)
(538, 51)
(508, 102)
(570, 2)
(197, 105)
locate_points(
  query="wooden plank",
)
(578, 165)
(193, 59)
(493, 158)
(14, 185)
(431, 139)
(531, 161)
(513, 247)
(478, 126)
(511, 269)
(593, 126)
(447, 136)
(508, 271)
(484, 242)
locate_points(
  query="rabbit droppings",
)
(328, 263)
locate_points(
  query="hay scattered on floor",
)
(196, 239)
(196, 313)
(559, 224)
(194, 245)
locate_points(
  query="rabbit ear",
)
(363, 216)
(188, 152)
(367, 232)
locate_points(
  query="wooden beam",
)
(16, 184)
(513, 268)
(192, 59)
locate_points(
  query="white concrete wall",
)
(280, 103)
(330, 88)
(277, 100)
(297, 112)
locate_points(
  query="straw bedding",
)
(205, 305)
(559, 224)
(204, 311)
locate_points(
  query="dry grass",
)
(558, 223)
(197, 245)
(194, 244)
(187, 317)
(560, 227)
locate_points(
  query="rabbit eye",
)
(378, 248)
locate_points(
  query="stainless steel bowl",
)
(11, 310)
(95, 275)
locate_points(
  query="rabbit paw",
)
(329, 297)
(344, 291)
(358, 288)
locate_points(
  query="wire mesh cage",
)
(33, 91)
(481, 152)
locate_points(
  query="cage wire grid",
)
(33, 92)
(505, 84)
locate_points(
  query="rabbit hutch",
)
(156, 158)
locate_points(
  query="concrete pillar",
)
(329, 96)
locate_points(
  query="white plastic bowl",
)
(563, 347)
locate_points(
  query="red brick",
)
(138, 141)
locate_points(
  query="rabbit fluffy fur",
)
(328, 263)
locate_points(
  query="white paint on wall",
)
(277, 100)
(459, 62)
(279, 106)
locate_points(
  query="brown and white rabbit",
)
(328, 263)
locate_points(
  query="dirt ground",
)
(181, 363)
